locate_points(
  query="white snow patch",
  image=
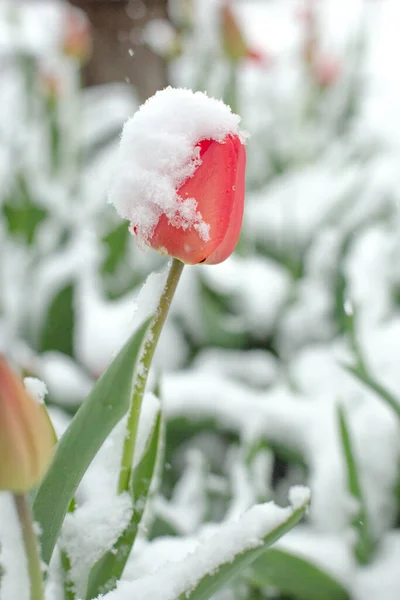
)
(254, 367)
(66, 381)
(298, 496)
(186, 510)
(381, 578)
(91, 530)
(14, 582)
(36, 388)
(257, 288)
(219, 547)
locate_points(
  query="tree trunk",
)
(118, 51)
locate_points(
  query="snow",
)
(214, 549)
(254, 367)
(298, 496)
(187, 508)
(64, 380)
(158, 153)
(102, 521)
(103, 326)
(382, 577)
(36, 388)
(14, 581)
(295, 205)
(35, 31)
(247, 283)
(241, 488)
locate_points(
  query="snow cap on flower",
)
(179, 175)
(26, 435)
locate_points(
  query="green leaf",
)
(294, 576)
(106, 572)
(118, 278)
(214, 581)
(102, 410)
(58, 329)
(343, 319)
(116, 246)
(364, 546)
(69, 586)
(22, 215)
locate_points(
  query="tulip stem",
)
(142, 372)
(31, 547)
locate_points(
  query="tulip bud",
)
(218, 188)
(77, 42)
(26, 436)
(180, 176)
(233, 40)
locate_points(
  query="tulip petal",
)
(26, 440)
(232, 234)
(213, 188)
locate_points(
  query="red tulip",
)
(26, 435)
(217, 185)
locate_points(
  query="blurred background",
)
(280, 365)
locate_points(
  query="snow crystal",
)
(36, 388)
(158, 153)
(219, 547)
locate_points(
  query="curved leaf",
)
(102, 410)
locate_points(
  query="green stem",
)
(31, 547)
(143, 371)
